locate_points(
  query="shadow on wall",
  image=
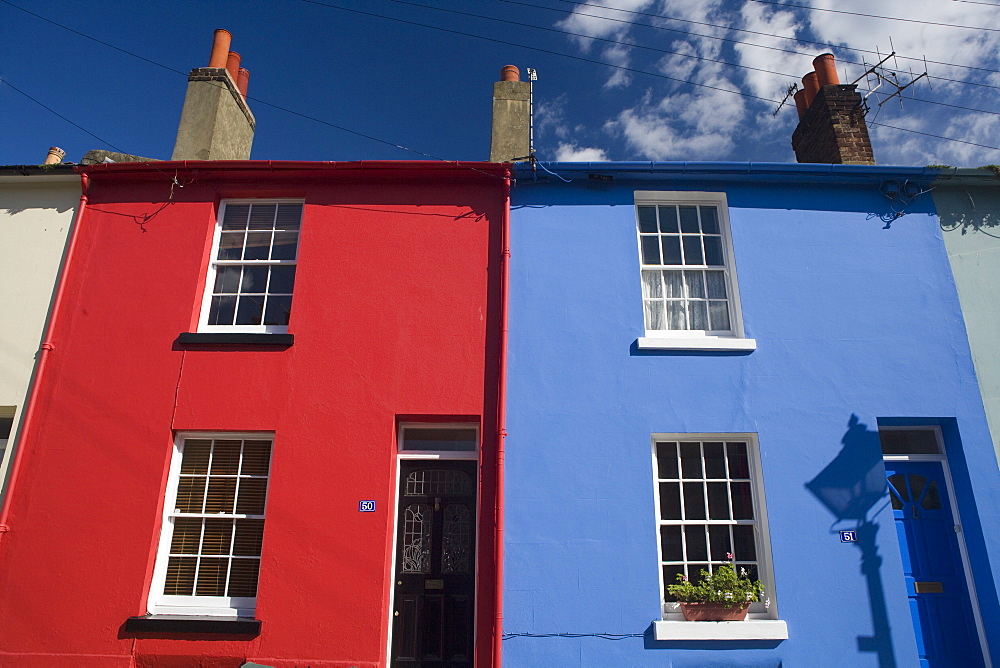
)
(968, 209)
(852, 487)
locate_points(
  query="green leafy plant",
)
(723, 586)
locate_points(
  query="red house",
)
(266, 422)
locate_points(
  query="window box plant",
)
(724, 595)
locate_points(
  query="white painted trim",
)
(221, 606)
(963, 551)
(750, 629)
(694, 343)
(206, 298)
(453, 455)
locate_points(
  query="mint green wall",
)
(968, 202)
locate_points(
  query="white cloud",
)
(570, 152)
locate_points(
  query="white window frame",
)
(214, 264)
(762, 622)
(691, 339)
(167, 604)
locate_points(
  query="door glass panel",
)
(417, 538)
(456, 539)
(932, 499)
(438, 481)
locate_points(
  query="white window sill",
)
(750, 629)
(695, 343)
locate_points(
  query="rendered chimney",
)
(832, 126)
(511, 117)
(216, 123)
(55, 156)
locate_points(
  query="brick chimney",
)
(832, 126)
(216, 123)
(511, 117)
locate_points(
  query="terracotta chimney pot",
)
(510, 73)
(55, 156)
(826, 69)
(220, 48)
(242, 81)
(810, 84)
(800, 103)
(233, 65)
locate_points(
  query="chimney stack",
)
(511, 117)
(55, 156)
(832, 126)
(216, 123)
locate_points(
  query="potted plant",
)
(720, 596)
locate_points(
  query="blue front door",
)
(935, 580)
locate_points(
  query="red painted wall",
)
(395, 312)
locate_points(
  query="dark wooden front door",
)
(434, 602)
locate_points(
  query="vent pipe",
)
(55, 156)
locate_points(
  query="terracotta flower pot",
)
(714, 612)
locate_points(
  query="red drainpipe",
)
(501, 423)
(27, 419)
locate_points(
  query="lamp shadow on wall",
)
(853, 488)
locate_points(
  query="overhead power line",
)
(873, 16)
(825, 45)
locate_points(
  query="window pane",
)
(652, 284)
(212, 577)
(258, 246)
(670, 501)
(720, 545)
(284, 245)
(256, 457)
(689, 219)
(243, 577)
(742, 501)
(676, 315)
(227, 279)
(647, 219)
(908, 442)
(226, 457)
(670, 543)
(187, 535)
(744, 544)
(692, 250)
(695, 285)
(716, 282)
(694, 501)
(289, 216)
(709, 220)
(180, 576)
(713, 251)
(235, 217)
(282, 280)
(655, 317)
(221, 494)
(248, 539)
(666, 460)
(278, 310)
(674, 282)
(696, 542)
(699, 315)
(254, 279)
(739, 465)
(715, 460)
(251, 310)
(196, 453)
(719, 314)
(222, 310)
(190, 495)
(650, 250)
(671, 249)
(670, 573)
(262, 216)
(253, 493)
(691, 460)
(231, 245)
(439, 438)
(668, 219)
(218, 536)
(718, 501)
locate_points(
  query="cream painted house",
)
(37, 207)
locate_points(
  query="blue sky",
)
(687, 86)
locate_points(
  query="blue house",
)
(767, 360)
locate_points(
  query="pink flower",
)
(729, 556)
(684, 577)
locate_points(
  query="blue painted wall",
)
(851, 321)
